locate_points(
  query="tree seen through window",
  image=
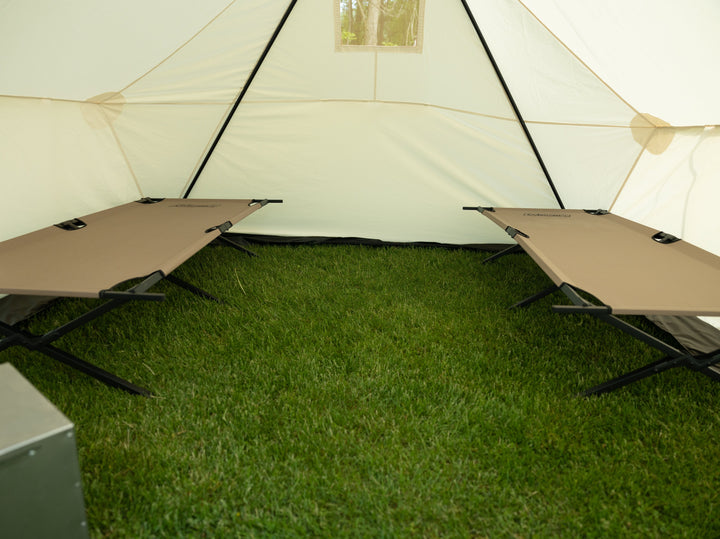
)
(380, 23)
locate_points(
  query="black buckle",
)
(148, 200)
(665, 238)
(481, 209)
(223, 227)
(72, 224)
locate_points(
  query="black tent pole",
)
(260, 61)
(240, 97)
(512, 103)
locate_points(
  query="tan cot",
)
(85, 256)
(95, 255)
(631, 268)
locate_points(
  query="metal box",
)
(40, 485)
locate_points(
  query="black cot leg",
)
(239, 244)
(12, 339)
(697, 363)
(192, 288)
(633, 376)
(535, 297)
(92, 370)
(43, 343)
(236, 244)
(674, 357)
(510, 250)
(16, 337)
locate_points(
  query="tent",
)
(527, 103)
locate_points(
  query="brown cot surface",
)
(129, 241)
(617, 261)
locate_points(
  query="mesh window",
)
(387, 25)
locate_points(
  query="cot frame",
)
(43, 343)
(673, 355)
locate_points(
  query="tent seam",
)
(441, 107)
(574, 54)
(110, 102)
(630, 172)
(178, 49)
(428, 105)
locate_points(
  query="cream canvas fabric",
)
(616, 260)
(100, 107)
(107, 248)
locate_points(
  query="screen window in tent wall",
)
(379, 25)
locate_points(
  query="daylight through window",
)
(385, 24)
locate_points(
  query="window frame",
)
(416, 49)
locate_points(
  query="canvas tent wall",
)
(101, 105)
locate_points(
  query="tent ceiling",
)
(101, 105)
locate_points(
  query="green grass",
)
(377, 392)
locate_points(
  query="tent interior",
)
(508, 103)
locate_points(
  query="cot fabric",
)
(121, 243)
(617, 261)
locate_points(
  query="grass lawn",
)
(377, 392)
